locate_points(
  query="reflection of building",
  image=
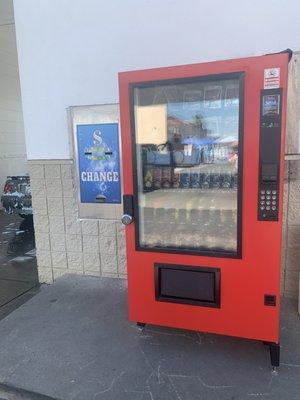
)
(175, 126)
(186, 129)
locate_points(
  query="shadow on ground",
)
(18, 269)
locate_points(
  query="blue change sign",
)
(99, 163)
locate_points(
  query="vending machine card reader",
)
(203, 158)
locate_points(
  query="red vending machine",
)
(203, 159)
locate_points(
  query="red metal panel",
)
(243, 281)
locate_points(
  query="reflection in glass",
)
(187, 164)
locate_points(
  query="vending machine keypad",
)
(269, 155)
(268, 202)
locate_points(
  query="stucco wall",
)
(293, 106)
(12, 138)
(70, 52)
(291, 230)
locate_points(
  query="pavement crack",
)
(184, 335)
(174, 387)
(109, 388)
(139, 391)
(290, 365)
(213, 386)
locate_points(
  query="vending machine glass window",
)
(187, 139)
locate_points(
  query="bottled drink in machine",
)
(166, 177)
(204, 180)
(157, 177)
(149, 220)
(171, 215)
(196, 225)
(185, 179)
(175, 180)
(234, 180)
(194, 216)
(182, 216)
(148, 214)
(195, 180)
(148, 179)
(214, 180)
(225, 180)
(160, 215)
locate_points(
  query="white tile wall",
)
(65, 243)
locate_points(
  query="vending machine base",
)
(274, 353)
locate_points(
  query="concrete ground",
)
(72, 341)
(18, 269)
(9, 393)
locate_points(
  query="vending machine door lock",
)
(127, 217)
